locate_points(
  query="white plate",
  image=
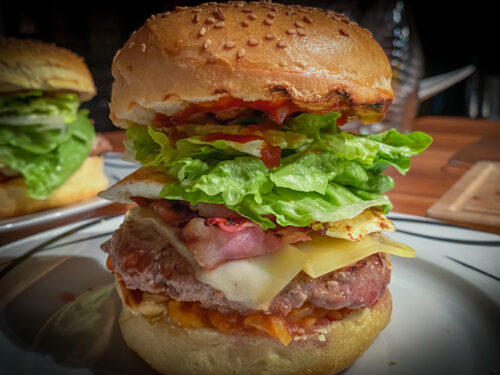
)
(114, 168)
(446, 316)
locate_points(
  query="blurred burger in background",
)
(49, 152)
(256, 246)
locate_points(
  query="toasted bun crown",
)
(252, 51)
(34, 65)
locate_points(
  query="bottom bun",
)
(171, 349)
(86, 182)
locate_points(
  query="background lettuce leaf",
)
(45, 172)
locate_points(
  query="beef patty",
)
(148, 262)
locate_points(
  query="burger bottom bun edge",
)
(171, 349)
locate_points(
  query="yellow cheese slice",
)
(326, 254)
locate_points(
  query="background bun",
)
(33, 65)
(253, 51)
(86, 182)
(171, 349)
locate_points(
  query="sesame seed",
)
(196, 10)
(180, 8)
(210, 20)
(252, 16)
(229, 44)
(301, 31)
(179, 42)
(245, 23)
(207, 43)
(343, 32)
(291, 31)
(291, 13)
(299, 24)
(203, 31)
(212, 58)
(239, 5)
(247, 10)
(131, 44)
(196, 18)
(252, 42)
(143, 47)
(267, 6)
(241, 53)
(270, 36)
(219, 14)
(271, 15)
(219, 25)
(268, 21)
(307, 20)
(282, 44)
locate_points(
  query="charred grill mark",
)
(281, 91)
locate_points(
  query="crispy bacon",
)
(216, 240)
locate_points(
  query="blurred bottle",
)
(392, 25)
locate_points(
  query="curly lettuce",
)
(324, 174)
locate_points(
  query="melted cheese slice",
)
(326, 254)
(256, 281)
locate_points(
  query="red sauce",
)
(342, 120)
(270, 155)
(278, 110)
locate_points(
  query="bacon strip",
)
(217, 240)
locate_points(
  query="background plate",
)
(114, 168)
(445, 318)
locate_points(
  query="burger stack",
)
(257, 242)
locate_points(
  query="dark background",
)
(451, 35)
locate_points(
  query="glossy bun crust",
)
(171, 349)
(317, 59)
(33, 65)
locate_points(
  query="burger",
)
(256, 245)
(49, 152)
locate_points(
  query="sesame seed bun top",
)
(318, 60)
(33, 65)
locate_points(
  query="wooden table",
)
(430, 175)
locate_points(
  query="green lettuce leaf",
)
(243, 185)
(374, 152)
(324, 174)
(45, 172)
